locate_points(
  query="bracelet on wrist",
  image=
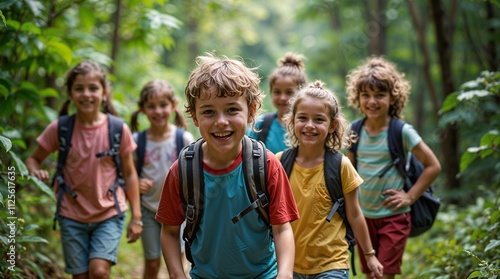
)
(370, 253)
(137, 222)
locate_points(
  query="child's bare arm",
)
(35, 160)
(132, 190)
(170, 244)
(358, 224)
(432, 167)
(285, 249)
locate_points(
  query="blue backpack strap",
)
(65, 126)
(141, 151)
(179, 140)
(266, 125)
(255, 174)
(115, 128)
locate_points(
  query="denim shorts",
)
(150, 237)
(85, 241)
(330, 274)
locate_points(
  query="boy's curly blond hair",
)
(223, 77)
(380, 74)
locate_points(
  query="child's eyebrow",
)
(202, 106)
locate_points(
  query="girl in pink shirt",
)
(90, 216)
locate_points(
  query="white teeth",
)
(222, 134)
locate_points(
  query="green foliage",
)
(475, 109)
(21, 232)
(463, 243)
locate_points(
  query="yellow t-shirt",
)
(319, 245)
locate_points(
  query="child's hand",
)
(376, 268)
(145, 185)
(43, 175)
(134, 231)
(396, 199)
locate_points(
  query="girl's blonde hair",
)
(290, 65)
(159, 87)
(377, 73)
(84, 68)
(317, 90)
(223, 77)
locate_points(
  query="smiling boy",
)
(223, 98)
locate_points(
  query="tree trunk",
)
(115, 41)
(426, 64)
(193, 10)
(376, 28)
(449, 137)
(491, 47)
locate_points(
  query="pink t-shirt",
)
(88, 176)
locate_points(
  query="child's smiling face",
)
(222, 121)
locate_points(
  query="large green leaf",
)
(3, 18)
(6, 143)
(4, 92)
(63, 50)
(42, 186)
(31, 238)
(20, 166)
(466, 160)
(30, 27)
(450, 102)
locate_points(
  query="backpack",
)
(64, 133)
(141, 147)
(190, 164)
(333, 180)
(266, 125)
(424, 210)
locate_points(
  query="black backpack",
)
(141, 147)
(190, 164)
(425, 209)
(64, 133)
(333, 163)
(265, 125)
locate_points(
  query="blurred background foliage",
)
(448, 49)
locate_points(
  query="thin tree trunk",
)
(115, 40)
(377, 26)
(449, 137)
(426, 64)
(491, 47)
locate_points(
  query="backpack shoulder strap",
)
(266, 124)
(141, 151)
(65, 126)
(333, 180)
(356, 128)
(395, 141)
(190, 164)
(115, 126)
(255, 173)
(287, 159)
(179, 140)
